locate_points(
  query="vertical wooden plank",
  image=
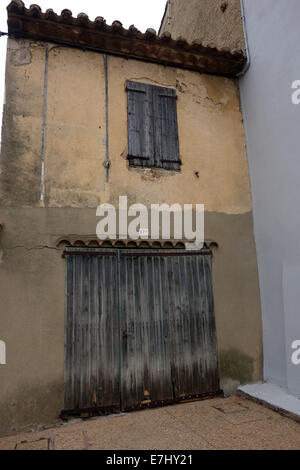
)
(145, 329)
(193, 311)
(186, 317)
(138, 328)
(77, 332)
(194, 360)
(125, 312)
(132, 320)
(114, 332)
(177, 327)
(85, 332)
(74, 332)
(145, 352)
(204, 322)
(167, 387)
(69, 329)
(174, 314)
(93, 308)
(212, 364)
(100, 331)
(104, 331)
(109, 387)
(195, 315)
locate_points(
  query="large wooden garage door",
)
(140, 328)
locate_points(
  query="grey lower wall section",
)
(32, 292)
(272, 132)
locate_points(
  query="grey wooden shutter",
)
(140, 124)
(166, 128)
(152, 126)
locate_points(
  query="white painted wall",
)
(272, 126)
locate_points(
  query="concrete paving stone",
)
(6, 444)
(219, 431)
(141, 418)
(42, 444)
(284, 420)
(290, 424)
(271, 434)
(141, 438)
(9, 443)
(244, 417)
(190, 409)
(75, 440)
(69, 428)
(140, 432)
(266, 434)
(186, 412)
(214, 430)
(230, 423)
(230, 408)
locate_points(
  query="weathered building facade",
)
(89, 326)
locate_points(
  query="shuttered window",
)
(152, 126)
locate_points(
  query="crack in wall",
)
(38, 247)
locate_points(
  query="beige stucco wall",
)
(32, 281)
(210, 134)
(216, 22)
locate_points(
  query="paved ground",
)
(231, 423)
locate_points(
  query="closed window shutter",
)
(152, 126)
(166, 128)
(140, 124)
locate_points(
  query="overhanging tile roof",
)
(96, 35)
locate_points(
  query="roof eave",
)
(97, 36)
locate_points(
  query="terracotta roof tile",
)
(114, 39)
(157, 244)
(91, 242)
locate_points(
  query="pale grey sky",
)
(142, 13)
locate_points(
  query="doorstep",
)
(273, 397)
